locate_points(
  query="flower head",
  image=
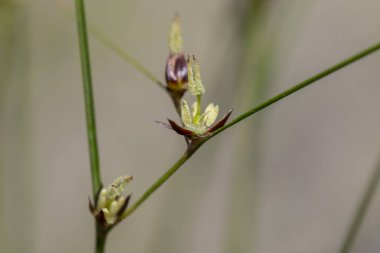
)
(196, 124)
(110, 203)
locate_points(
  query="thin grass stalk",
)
(101, 234)
(161, 180)
(89, 97)
(300, 86)
(273, 100)
(126, 56)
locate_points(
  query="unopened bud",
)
(176, 65)
(176, 73)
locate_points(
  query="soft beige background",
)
(317, 148)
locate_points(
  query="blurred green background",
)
(287, 180)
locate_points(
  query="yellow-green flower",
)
(196, 124)
(110, 203)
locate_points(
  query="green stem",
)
(300, 86)
(88, 96)
(190, 151)
(361, 211)
(101, 237)
(194, 146)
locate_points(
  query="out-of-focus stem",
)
(125, 55)
(16, 151)
(361, 211)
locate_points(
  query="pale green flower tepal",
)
(193, 119)
(198, 123)
(211, 112)
(186, 116)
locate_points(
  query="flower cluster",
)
(182, 75)
(196, 124)
(110, 204)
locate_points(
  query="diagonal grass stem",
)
(300, 86)
(193, 148)
(125, 55)
(162, 180)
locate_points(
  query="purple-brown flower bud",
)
(176, 65)
(176, 73)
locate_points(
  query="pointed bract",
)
(180, 130)
(220, 123)
(101, 219)
(90, 205)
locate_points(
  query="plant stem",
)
(361, 211)
(190, 151)
(101, 236)
(300, 86)
(194, 146)
(89, 98)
